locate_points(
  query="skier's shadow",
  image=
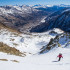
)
(55, 61)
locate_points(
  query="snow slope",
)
(37, 62)
(31, 44)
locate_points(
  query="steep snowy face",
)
(59, 19)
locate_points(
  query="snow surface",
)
(37, 62)
(43, 20)
(58, 30)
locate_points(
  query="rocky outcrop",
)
(61, 40)
(10, 50)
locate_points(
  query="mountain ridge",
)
(59, 19)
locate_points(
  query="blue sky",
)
(33, 2)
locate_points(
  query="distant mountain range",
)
(27, 18)
(44, 6)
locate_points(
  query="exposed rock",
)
(61, 40)
(10, 50)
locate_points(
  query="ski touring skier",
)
(60, 56)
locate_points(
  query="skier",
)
(60, 56)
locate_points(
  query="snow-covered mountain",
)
(16, 9)
(41, 6)
(63, 5)
(25, 17)
(47, 5)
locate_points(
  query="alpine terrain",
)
(31, 37)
